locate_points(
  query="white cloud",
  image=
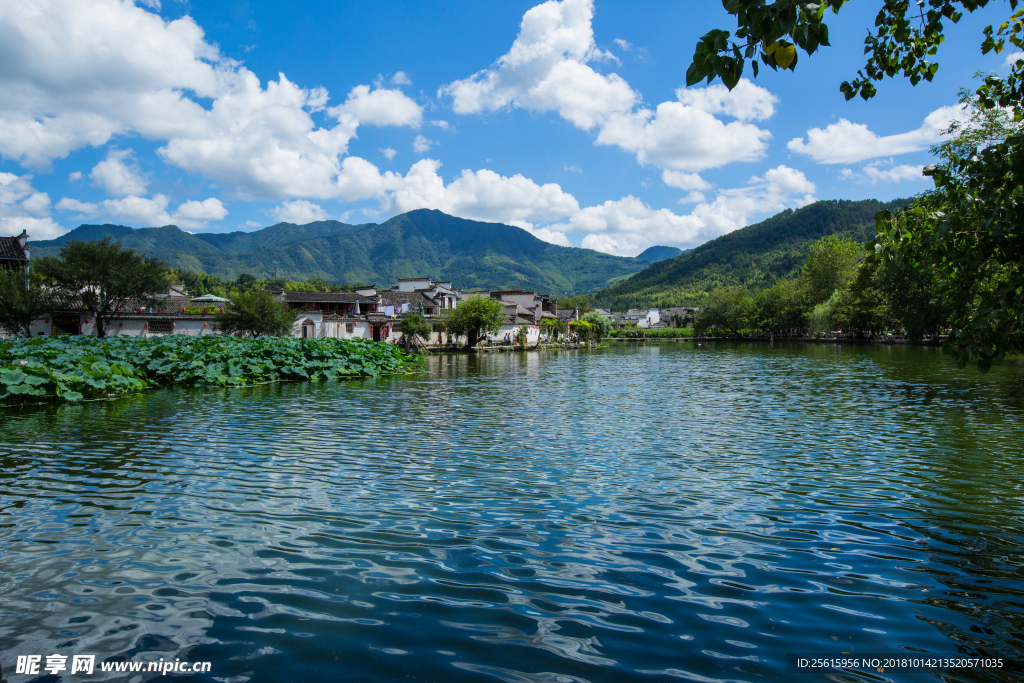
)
(22, 207)
(624, 45)
(422, 145)
(685, 181)
(551, 236)
(627, 226)
(401, 78)
(83, 71)
(884, 172)
(74, 176)
(845, 142)
(149, 212)
(443, 125)
(745, 102)
(381, 107)
(252, 224)
(118, 174)
(387, 152)
(572, 168)
(299, 212)
(547, 70)
(480, 195)
(1012, 58)
(199, 212)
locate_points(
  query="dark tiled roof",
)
(327, 297)
(10, 249)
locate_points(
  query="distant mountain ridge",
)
(659, 253)
(420, 243)
(755, 256)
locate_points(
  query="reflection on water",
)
(636, 513)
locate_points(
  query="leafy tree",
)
(474, 315)
(103, 277)
(831, 266)
(583, 302)
(415, 325)
(729, 308)
(969, 228)
(601, 324)
(555, 326)
(21, 305)
(245, 281)
(906, 35)
(781, 306)
(257, 313)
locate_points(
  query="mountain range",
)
(756, 256)
(420, 243)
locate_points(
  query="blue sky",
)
(568, 118)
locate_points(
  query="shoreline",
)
(781, 340)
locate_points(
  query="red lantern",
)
(120, 324)
(87, 320)
(46, 320)
(145, 324)
(174, 324)
(204, 324)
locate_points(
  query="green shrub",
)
(73, 368)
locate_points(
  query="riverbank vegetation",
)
(955, 256)
(59, 368)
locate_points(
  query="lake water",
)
(641, 513)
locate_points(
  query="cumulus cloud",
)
(685, 181)
(118, 174)
(624, 45)
(83, 71)
(387, 153)
(627, 226)
(846, 143)
(480, 195)
(884, 172)
(22, 207)
(401, 78)
(299, 212)
(149, 212)
(443, 125)
(547, 69)
(381, 107)
(422, 145)
(74, 176)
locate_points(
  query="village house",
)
(14, 252)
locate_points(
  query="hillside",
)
(419, 243)
(653, 254)
(755, 256)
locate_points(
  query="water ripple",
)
(639, 513)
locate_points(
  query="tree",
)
(729, 308)
(474, 315)
(906, 36)
(103, 277)
(831, 266)
(20, 305)
(245, 281)
(601, 324)
(256, 313)
(555, 326)
(781, 306)
(583, 302)
(969, 229)
(415, 325)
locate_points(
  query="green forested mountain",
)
(419, 243)
(755, 256)
(653, 254)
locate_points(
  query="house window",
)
(350, 327)
(161, 326)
